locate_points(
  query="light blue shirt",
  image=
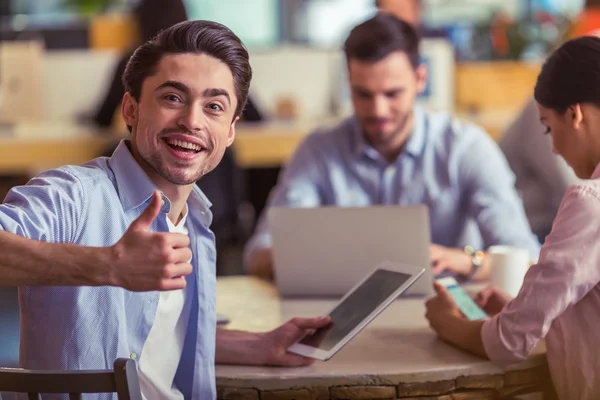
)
(454, 168)
(90, 327)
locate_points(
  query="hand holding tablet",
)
(357, 309)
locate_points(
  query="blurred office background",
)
(57, 58)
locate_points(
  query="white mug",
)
(508, 266)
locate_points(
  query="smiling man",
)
(392, 151)
(138, 220)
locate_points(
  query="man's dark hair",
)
(571, 75)
(195, 37)
(380, 36)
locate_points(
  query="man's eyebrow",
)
(182, 87)
(360, 89)
(214, 92)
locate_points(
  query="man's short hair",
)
(195, 37)
(380, 36)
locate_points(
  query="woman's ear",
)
(575, 115)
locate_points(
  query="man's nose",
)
(192, 118)
(380, 107)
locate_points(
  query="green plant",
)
(89, 7)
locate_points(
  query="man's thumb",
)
(144, 221)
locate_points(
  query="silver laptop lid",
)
(325, 251)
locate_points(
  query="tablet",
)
(357, 309)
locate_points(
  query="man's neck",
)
(178, 196)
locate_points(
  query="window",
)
(256, 22)
(326, 23)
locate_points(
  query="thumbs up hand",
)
(145, 260)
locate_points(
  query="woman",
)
(560, 297)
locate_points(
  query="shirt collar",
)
(414, 146)
(596, 173)
(134, 186)
(181, 221)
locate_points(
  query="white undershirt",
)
(162, 351)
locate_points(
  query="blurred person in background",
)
(588, 20)
(543, 177)
(410, 11)
(392, 151)
(407, 10)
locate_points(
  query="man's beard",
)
(177, 179)
(378, 139)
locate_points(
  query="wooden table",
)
(30, 147)
(35, 146)
(396, 356)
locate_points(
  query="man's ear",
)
(421, 73)
(231, 136)
(129, 109)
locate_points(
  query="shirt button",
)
(162, 202)
(133, 356)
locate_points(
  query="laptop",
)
(325, 251)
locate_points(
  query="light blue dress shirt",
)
(89, 327)
(453, 167)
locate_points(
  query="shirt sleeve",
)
(566, 272)
(492, 198)
(47, 208)
(299, 185)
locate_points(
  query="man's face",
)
(383, 94)
(183, 121)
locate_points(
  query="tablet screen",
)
(355, 308)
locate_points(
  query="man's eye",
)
(215, 107)
(547, 131)
(172, 98)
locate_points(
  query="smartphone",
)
(464, 302)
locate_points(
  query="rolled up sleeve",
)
(566, 272)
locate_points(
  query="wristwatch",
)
(476, 260)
